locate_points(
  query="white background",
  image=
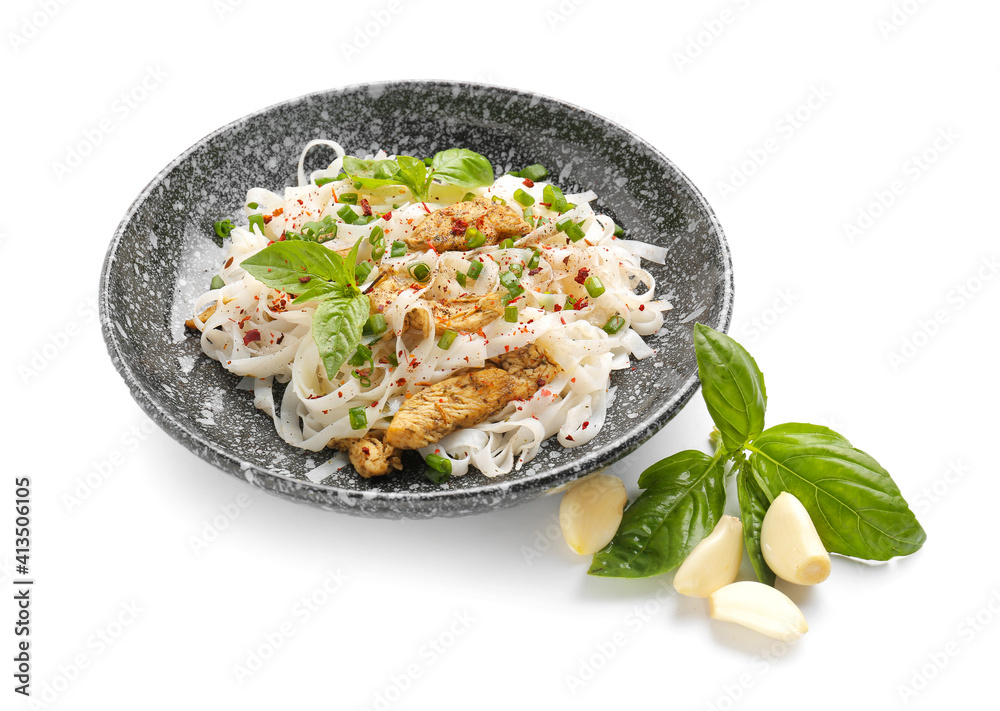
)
(887, 333)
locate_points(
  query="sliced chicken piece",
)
(203, 316)
(466, 400)
(445, 229)
(466, 313)
(370, 455)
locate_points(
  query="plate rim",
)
(542, 481)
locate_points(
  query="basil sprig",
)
(856, 507)
(457, 166)
(316, 273)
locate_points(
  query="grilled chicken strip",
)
(466, 313)
(466, 400)
(370, 455)
(445, 229)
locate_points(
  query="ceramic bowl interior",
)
(163, 256)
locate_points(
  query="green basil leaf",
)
(732, 385)
(462, 167)
(685, 497)
(855, 505)
(336, 329)
(413, 174)
(322, 290)
(291, 266)
(753, 506)
(351, 262)
(371, 173)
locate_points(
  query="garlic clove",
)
(591, 511)
(758, 607)
(714, 562)
(790, 544)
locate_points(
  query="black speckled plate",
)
(163, 255)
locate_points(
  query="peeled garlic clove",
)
(591, 511)
(790, 544)
(714, 562)
(758, 607)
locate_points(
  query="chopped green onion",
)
(348, 198)
(398, 249)
(500, 200)
(358, 185)
(507, 244)
(376, 236)
(574, 232)
(375, 324)
(317, 231)
(393, 360)
(362, 355)
(475, 269)
(474, 238)
(517, 269)
(509, 280)
(365, 219)
(378, 251)
(619, 232)
(419, 271)
(257, 220)
(510, 314)
(468, 197)
(594, 286)
(362, 271)
(461, 279)
(522, 198)
(554, 197)
(535, 171)
(438, 468)
(217, 282)
(447, 338)
(515, 291)
(223, 228)
(320, 182)
(252, 205)
(614, 324)
(359, 420)
(348, 215)
(533, 262)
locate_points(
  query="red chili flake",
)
(545, 204)
(458, 227)
(326, 412)
(563, 321)
(642, 307)
(267, 219)
(304, 280)
(581, 304)
(401, 382)
(546, 393)
(280, 339)
(566, 259)
(282, 238)
(366, 208)
(540, 382)
(300, 202)
(278, 211)
(387, 216)
(426, 208)
(570, 438)
(557, 307)
(529, 183)
(506, 349)
(533, 272)
(229, 263)
(585, 425)
(252, 335)
(581, 276)
(374, 404)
